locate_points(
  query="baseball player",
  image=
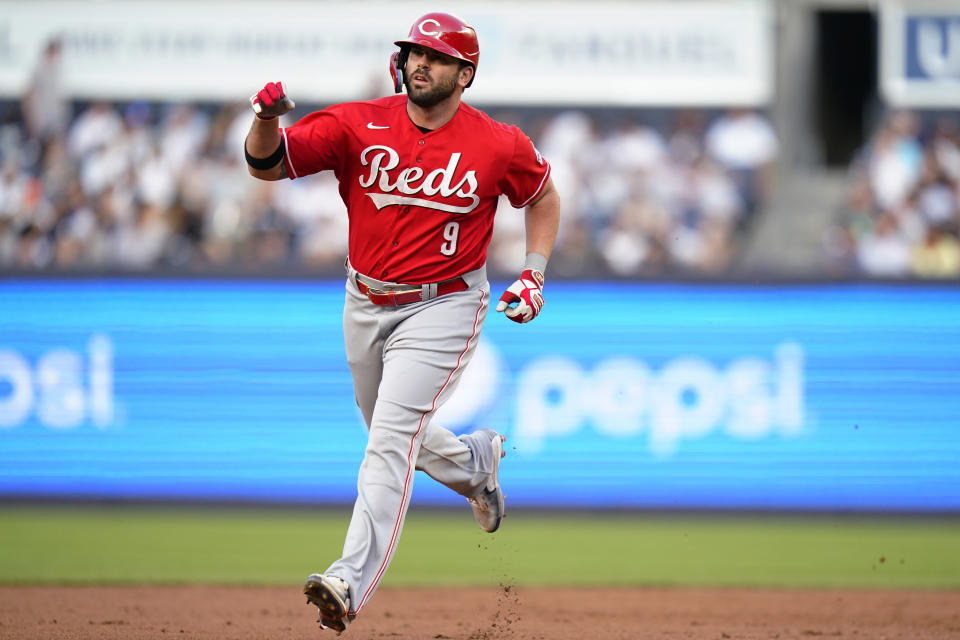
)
(420, 175)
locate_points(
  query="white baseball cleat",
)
(488, 504)
(331, 596)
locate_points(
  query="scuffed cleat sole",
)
(332, 607)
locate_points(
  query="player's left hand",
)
(522, 300)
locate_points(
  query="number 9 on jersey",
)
(450, 234)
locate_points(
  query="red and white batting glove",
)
(271, 101)
(522, 300)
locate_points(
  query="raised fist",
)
(271, 101)
(522, 300)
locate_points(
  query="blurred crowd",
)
(901, 214)
(673, 195)
(139, 186)
(134, 186)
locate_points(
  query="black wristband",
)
(264, 164)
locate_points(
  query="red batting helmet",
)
(441, 32)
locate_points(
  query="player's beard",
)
(431, 97)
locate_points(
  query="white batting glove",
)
(522, 300)
(271, 101)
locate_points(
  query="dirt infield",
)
(241, 613)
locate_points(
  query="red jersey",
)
(421, 205)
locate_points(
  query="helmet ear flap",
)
(398, 60)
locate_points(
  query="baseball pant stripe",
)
(405, 500)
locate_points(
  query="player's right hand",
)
(271, 101)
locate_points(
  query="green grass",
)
(126, 544)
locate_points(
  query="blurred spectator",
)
(894, 160)
(938, 256)
(45, 105)
(883, 250)
(743, 142)
(902, 212)
(141, 186)
(94, 129)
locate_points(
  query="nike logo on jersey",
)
(370, 125)
(411, 181)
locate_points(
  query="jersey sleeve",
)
(313, 144)
(526, 173)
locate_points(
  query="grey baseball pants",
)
(406, 361)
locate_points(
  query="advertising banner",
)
(620, 395)
(920, 54)
(608, 53)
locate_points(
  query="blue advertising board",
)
(620, 395)
(920, 54)
(930, 48)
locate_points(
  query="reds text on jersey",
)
(421, 205)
